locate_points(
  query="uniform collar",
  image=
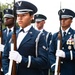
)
(10, 29)
(66, 30)
(39, 30)
(26, 29)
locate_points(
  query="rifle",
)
(0, 40)
(59, 47)
(12, 65)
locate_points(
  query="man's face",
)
(40, 24)
(8, 21)
(66, 22)
(24, 19)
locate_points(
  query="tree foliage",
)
(4, 6)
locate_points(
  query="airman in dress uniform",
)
(30, 58)
(9, 23)
(67, 53)
(40, 21)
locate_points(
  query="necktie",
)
(22, 30)
(9, 30)
(64, 34)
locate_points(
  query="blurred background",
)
(49, 8)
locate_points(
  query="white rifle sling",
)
(47, 36)
(37, 40)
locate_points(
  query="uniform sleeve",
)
(70, 55)
(5, 55)
(5, 60)
(52, 51)
(73, 55)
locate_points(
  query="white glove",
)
(60, 53)
(14, 55)
(1, 47)
(6, 74)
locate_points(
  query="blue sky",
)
(50, 9)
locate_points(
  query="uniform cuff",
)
(52, 65)
(71, 55)
(29, 61)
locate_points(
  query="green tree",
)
(4, 6)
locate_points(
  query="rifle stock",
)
(15, 48)
(12, 64)
(59, 47)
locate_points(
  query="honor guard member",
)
(40, 21)
(9, 23)
(67, 54)
(30, 58)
